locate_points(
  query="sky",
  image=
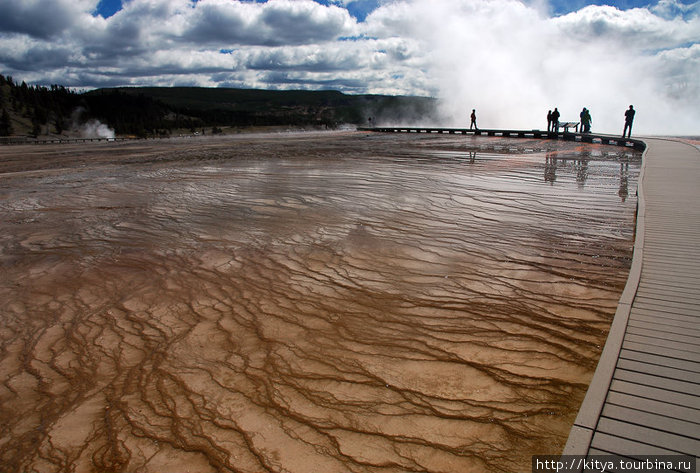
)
(511, 60)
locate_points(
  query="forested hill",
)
(146, 111)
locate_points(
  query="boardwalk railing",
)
(563, 135)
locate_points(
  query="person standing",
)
(473, 122)
(589, 121)
(555, 120)
(549, 121)
(585, 120)
(629, 118)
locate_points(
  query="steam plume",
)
(512, 62)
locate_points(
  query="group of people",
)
(585, 121)
(553, 120)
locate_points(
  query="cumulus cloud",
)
(41, 18)
(638, 28)
(509, 59)
(275, 23)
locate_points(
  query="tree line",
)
(39, 110)
(56, 109)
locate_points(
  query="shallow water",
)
(305, 303)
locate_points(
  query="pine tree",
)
(36, 126)
(58, 123)
(5, 123)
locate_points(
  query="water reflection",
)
(550, 168)
(556, 161)
(340, 302)
(624, 180)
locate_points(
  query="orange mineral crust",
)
(312, 302)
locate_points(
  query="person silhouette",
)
(549, 120)
(555, 120)
(473, 122)
(629, 118)
(585, 120)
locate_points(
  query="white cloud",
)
(673, 8)
(638, 28)
(277, 22)
(507, 58)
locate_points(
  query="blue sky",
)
(358, 9)
(508, 58)
(361, 8)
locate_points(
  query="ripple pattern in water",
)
(312, 303)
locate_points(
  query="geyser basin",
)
(313, 302)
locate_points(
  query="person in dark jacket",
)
(555, 120)
(585, 120)
(629, 118)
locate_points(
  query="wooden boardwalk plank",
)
(663, 271)
(691, 310)
(681, 284)
(664, 335)
(657, 407)
(612, 444)
(687, 352)
(658, 370)
(650, 419)
(669, 302)
(667, 327)
(650, 392)
(649, 436)
(668, 289)
(659, 291)
(663, 259)
(652, 359)
(646, 357)
(661, 351)
(664, 316)
(649, 380)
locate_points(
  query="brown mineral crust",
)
(318, 302)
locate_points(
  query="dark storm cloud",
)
(39, 19)
(39, 57)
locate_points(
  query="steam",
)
(91, 128)
(512, 63)
(96, 129)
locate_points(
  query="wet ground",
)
(332, 302)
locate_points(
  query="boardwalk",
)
(644, 398)
(564, 135)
